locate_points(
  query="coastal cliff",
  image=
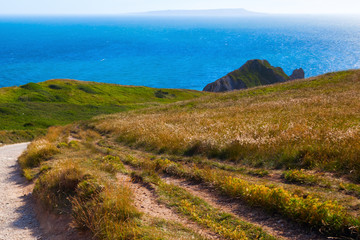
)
(253, 73)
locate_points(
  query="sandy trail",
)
(17, 218)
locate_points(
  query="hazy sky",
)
(123, 6)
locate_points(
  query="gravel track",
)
(17, 218)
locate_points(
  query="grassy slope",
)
(26, 109)
(311, 123)
(75, 178)
(80, 178)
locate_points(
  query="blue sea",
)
(171, 52)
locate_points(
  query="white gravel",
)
(17, 218)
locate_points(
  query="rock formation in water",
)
(253, 73)
(297, 74)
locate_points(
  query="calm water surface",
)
(171, 52)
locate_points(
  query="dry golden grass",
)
(80, 180)
(312, 123)
(40, 150)
(309, 207)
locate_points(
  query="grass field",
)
(302, 124)
(274, 162)
(32, 107)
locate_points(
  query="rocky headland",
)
(297, 74)
(253, 73)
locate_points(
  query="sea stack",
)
(297, 74)
(253, 73)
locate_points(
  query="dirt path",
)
(145, 200)
(273, 224)
(17, 218)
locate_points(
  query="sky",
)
(103, 7)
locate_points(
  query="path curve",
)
(17, 218)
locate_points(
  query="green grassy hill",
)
(292, 149)
(29, 109)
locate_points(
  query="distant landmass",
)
(208, 12)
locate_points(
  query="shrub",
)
(137, 177)
(62, 145)
(89, 189)
(111, 164)
(87, 89)
(37, 152)
(28, 174)
(108, 213)
(300, 177)
(55, 86)
(350, 188)
(74, 144)
(31, 86)
(163, 94)
(29, 124)
(259, 172)
(54, 188)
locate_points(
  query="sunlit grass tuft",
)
(108, 214)
(40, 150)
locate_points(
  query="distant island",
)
(208, 12)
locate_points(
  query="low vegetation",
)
(80, 180)
(326, 215)
(309, 124)
(14, 136)
(288, 149)
(27, 111)
(301, 177)
(198, 210)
